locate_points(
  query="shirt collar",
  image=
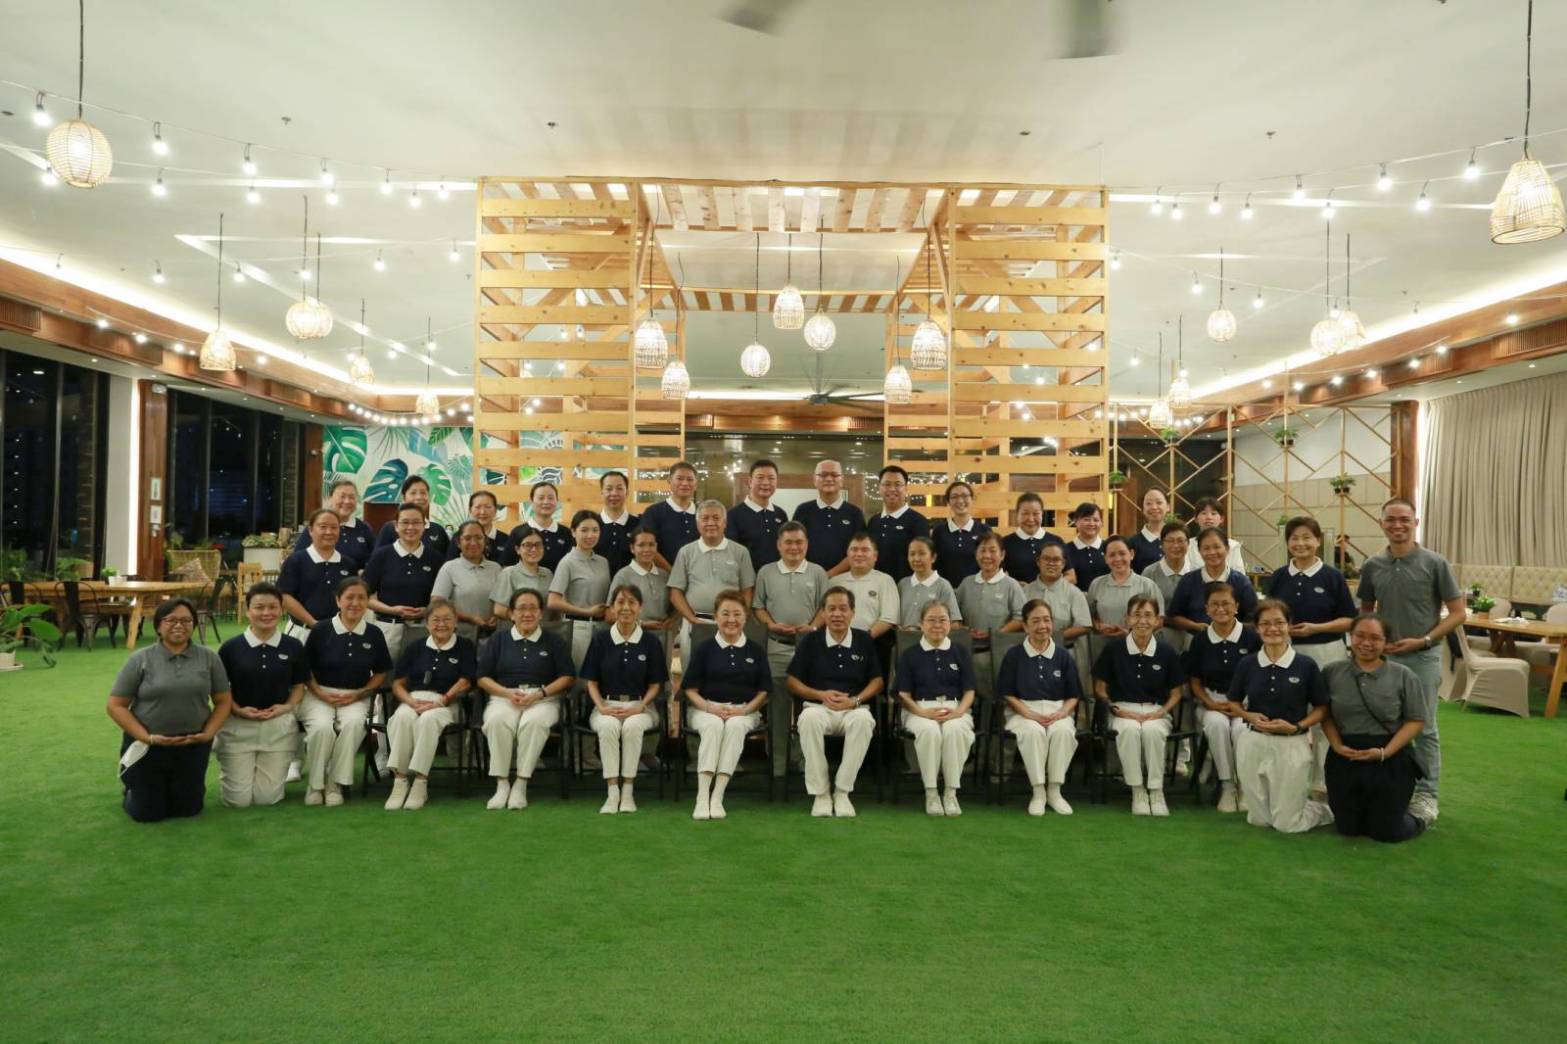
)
(1164, 567)
(1283, 661)
(1031, 652)
(1151, 534)
(946, 643)
(605, 518)
(842, 499)
(724, 643)
(704, 547)
(337, 626)
(966, 527)
(553, 527)
(1001, 574)
(637, 569)
(1077, 542)
(848, 639)
(450, 642)
(616, 638)
(315, 556)
(1131, 646)
(403, 552)
(1029, 534)
(895, 514)
(754, 506)
(518, 636)
(1222, 578)
(797, 569)
(252, 641)
(1234, 638)
(1052, 585)
(586, 556)
(1311, 570)
(681, 510)
(929, 581)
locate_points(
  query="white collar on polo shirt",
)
(1132, 649)
(481, 566)
(754, 506)
(1031, 652)
(553, 527)
(450, 643)
(895, 514)
(797, 569)
(691, 510)
(1052, 585)
(637, 569)
(842, 499)
(605, 518)
(1235, 635)
(403, 552)
(929, 581)
(946, 643)
(1223, 577)
(492, 532)
(1151, 534)
(518, 636)
(1311, 570)
(315, 556)
(1077, 542)
(337, 626)
(704, 547)
(1283, 661)
(252, 641)
(1030, 534)
(588, 555)
(724, 643)
(966, 527)
(616, 638)
(1164, 567)
(1001, 574)
(848, 639)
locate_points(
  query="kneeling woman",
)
(268, 671)
(625, 669)
(1038, 681)
(1141, 677)
(1376, 709)
(936, 686)
(348, 663)
(726, 685)
(524, 669)
(169, 699)
(1284, 696)
(431, 678)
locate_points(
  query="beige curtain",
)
(1494, 475)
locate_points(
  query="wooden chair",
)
(246, 575)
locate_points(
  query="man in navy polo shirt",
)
(754, 523)
(356, 539)
(673, 520)
(896, 525)
(616, 523)
(829, 520)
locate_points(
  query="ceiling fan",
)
(821, 395)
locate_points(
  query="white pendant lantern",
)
(676, 382)
(1327, 337)
(820, 332)
(898, 388)
(788, 309)
(428, 404)
(308, 320)
(651, 346)
(756, 360)
(1221, 324)
(1528, 208)
(79, 154)
(928, 350)
(1351, 329)
(359, 370)
(1160, 415)
(1180, 392)
(217, 353)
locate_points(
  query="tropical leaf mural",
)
(386, 486)
(440, 483)
(343, 449)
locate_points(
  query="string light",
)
(414, 200)
(41, 117)
(1246, 211)
(1512, 318)
(1175, 211)
(1155, 208)
(1336, 380)
(1423, 203)
(159, 146)
(332, 198)
(157, 273)
(1300, 190)
(327, 178)
(247, 165)
(139, 337)
(1256, 302)
(386, 184)
(1196, 284)
(1115, 261)
(103, 324)
(1471, 169)
(452, 254)
(1371, 374)
(159, 189)
(380, 262)
(1214, 206)
(239, 275)
(1414, 364)
(1384, 182)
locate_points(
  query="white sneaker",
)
(314, 797)
(1156, 805)
(933, 805)
(1057, 803)
(611, 805)
(1139, 801)
(842, 807)
(949, 804)
(627, 802)
(1036, 805)
(417, 795)
(502, 792)
(293, 773)
(703, 809)
(715, 808)
(821, 808)
(1227, 797)
(1240, 798)
(334, 796)
(399, 794)
(518, 798)
(1423, 808)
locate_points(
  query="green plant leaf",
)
(440, 483)
(387, 485)
(44, 629)
(344, 449)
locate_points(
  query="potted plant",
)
(1282, 521)
(20, 624)
(1342, 484)
(71, 568)
(1285, 436)
(264, 549)
(1170, 435)
(109, 575)
(1117, 479)
(1483, 605)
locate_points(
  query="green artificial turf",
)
(294, 923)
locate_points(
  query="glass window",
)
(185, 489)
(269, 451)
(231, 477)
(29, 425)
(83, 443)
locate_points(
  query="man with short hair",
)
(755, 523)
(355, 539)
(830, 520)
(836, 672)
(1409, 586)
(673, 520)
(616, 522)
(896, 524)
(875, 593)
(788, 603)
(708, 566)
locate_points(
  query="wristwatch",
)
(1429, 641)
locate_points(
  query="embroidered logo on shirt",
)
(367, 645)
(953, 666)
(1058, 674)
(855, 657)
(1156, 667)
(1294, 680)
(1320, 590)
(282, 656)
(749, 660)
(642, 656)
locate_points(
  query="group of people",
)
(419, 627)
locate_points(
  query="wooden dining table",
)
(1504, 641)
(141, 595)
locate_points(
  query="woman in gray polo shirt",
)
(579, 590)
(169, 699)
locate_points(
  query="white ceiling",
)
(1199, 93)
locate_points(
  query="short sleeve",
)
(906, 670)
(1191, 659)
(890, 605)
(444, 585)
(1447, 587)
(763, 678)
(657, 665)
(500, 590)
(1006, 678)
(950, 600)
(593, 657)
(696, 673)
(562, 578)
(380, 656)
(872, 665)
(1240, 679)
(797, 662)
(1177, 673)
(1016, 600)
(1247, 596)
(1411, 700)
(966, 676)
(373, 571)
(1074, 685)
(127, 683)
(489, 653)
(299, 669)
(677, 570)
(747, 570)
(1367, 591)
(1154, 592)
(288, 576)
(217, 676)
(560, 657)
(1344, 601)
(1104, 666)
(1318, 692)
(408, 663)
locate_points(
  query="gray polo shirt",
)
(1163, 579)
(1408, 591)
(512, 579)
(468, 587)
(791, 597)
(654, 585)
(988, 606)
(875, 598)
(581, 579)
(702, 572)
(1392, 692)
(914, 595)
(1107, 597)
(1068, 605)
(171, 694)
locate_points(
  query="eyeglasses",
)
(181, 622)
(533, 545)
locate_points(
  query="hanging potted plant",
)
(1282, 521)
(265, 549)
(1170, 436)
(1285, 436)
(21, 624)
(1117, 479)
(1342, 484)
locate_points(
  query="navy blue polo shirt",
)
(1314, 599)
(1145, 552)
(1041, 677)
(557, 542)
(1213, 663)
(843, 668)
(935, 674)
(355, 541)
(1191, 596)
(615, 541)
(955, 550)
(497, 549)
(346, 660)
(435, 536)
(829, 530)
(728, 674)
(1021, 553)
(423, 668)
(893, 536)
(1284, 692)
(1086, 563)
(314, 583)
(674, 529)
(516, 662)
(1141, 678)
(624, 670)
(261, 676)
(756, 531)
(399, 579)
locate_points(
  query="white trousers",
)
(816, 723)
(581, 638)
(620, 741)
(332, 738)
(1221, 732)
(415, 737)
(1275, 771)
(941, 745)
(253, 758)
(1140, 745)
(722, 739)
(509, 729)
(1047, 750)
(1324, 654)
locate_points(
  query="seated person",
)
(1210, 663)
(726, 686)
(1038, 681)
(625, 671)
(524, 670)
(1141, 677)
(935, 683)
(430, 680)
(837, 673)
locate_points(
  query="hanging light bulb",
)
(359, 370)
(386, 184)
(41, 117)
(159, 146)
(1246, 211)
(928, 349)
(1180, 392)
(380, 262)
(1221, 321)
(1300, 190)
(755, 360)
(898, 387)
(675, 382)
(1160, 415)
(1327, 337)
(789, 306)
(252, 196)
(248, 166)
(78, 153)
(452, 255)
(650, 348)
(1157, 206)
(216, 352)
(820, 330)
(1423, 203)
(1384, 182)
(308, 319)
(428, 404)
(1471, 169)
(1256, 302)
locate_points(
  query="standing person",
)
(830, 520)
(754, 524)
(935, 685)
(169, 700)
(1023, 544)
(616, 522)
(1282, 696)
(309, 578)
(924, 585)
(523, 670)
(1110, 594)
(349, 661)
(401, 578)
(579, 590)
(1070, 615)
(1189, 606)
(543, 503)
(958, 536)
(625, 671)
(267, 670)
(788, 602)
(1038, 682)
(726, 685)
(1210, 663)
(1148, 543)
(875, 593)
(482, 508)
(1209, 514)
(468, 581)
(836, 672)
(416, 491)
(673, 519)
(431, 677)
(1166, 575)
(651, 582)
(529, 574)
(356, 539)
(709, 566)
(1409, 586)
(1141, 677)
(1374, 713)
(896, 524)
(991, 602)
(1085, 557)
